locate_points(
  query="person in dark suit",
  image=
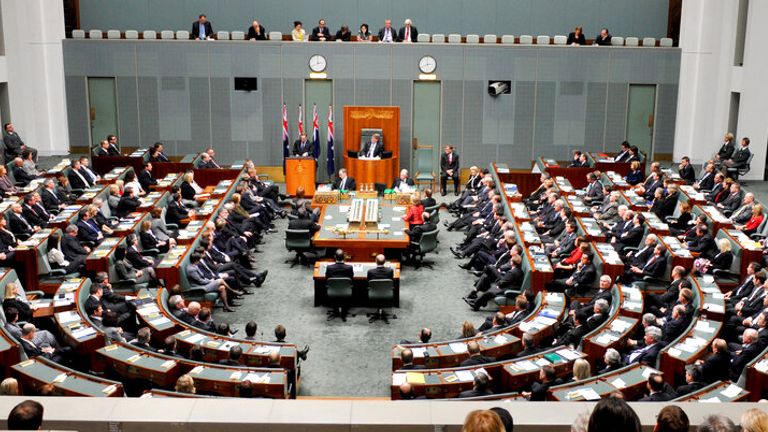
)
(344, 182)
(673, 328)
(380, 271)
(373, 148)
(706, 180)
(654, 266)
(256, 32)
(52, 201)
(103, 149)
(302, 146)
(14, 145)
(650, 352)
(203, 321)
(529, 346)
(576, 37)
(387, 34)
(344, 34)
(480, 387)
(408, 33)
(512, 280)
(235, 353)
(145, 177)
(29, 213)
(149, 240)
(128, 203)
(156, 153)
(404, 181)
(449, 168)
(18, 224)
(579, 281)
(304, 222)
(32, 350)
(202, 29)
(702, 243)
(749, 350)
(739, 159)
(20, 174)
(693, 381)
(73, 250)
(406, 356)
(134, 256)
(717, 366)
(733, 198)
(76, 178)
(143, 338)
(428, 201)
(603, 39)
(88, 231)
(656, 389)
(475, 357)
(726, 150)
(177, 211)
(539, 389)
(339, 269)
(321, 32)
(686, 170)
(206, 162)
(573, 336)
(632, 236)
(414, 234)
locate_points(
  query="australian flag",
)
(330, 165)
(286, 137)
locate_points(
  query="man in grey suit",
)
(197, 277)
(608, 211)
(14, 145)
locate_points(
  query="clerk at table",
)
(344, 182)
(373, 148)
(404, 183)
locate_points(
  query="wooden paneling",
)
(386, 118)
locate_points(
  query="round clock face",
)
(427, 64)
(317, 63)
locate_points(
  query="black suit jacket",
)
(339, 270)
(196, 29)
(17, 226)
(51, 199)
(649, 356)
(298, 151)
(474, 393)
(136, 259)
(101, 151)
(658, 397)
(377, 152)
(674, 328)
(512, 280)
(704, 245)
(175, 213)
(416, 231)
(32, 217)
(414, 34)
(146, 180)
(741, 359)
(262, 35)
(71, 248)
(304, 224)
(706, 183)
(127, 205)
(326, 32)
(398, 181)
(21, 176)
(581, 40)
(689, 388)
(350, 184)
(477, 360)
(454, 165)
(394, 34)
(584, 277)
(147, 241)
(381, 273)
(716, 367)
(75, 181)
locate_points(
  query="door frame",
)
(652, 150)
(91, 144)
(439, 144)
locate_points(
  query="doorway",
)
(427, 97)
(102, 108)
(641, 115)
(320, 93)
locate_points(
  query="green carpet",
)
(353, 358)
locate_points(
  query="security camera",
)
(496, 88)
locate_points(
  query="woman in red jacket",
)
(753, 223)
(565, 267)
(413, 215)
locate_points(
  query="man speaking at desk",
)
(302, 147)
(373, 148)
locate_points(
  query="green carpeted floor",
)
(353, 358)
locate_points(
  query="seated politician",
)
(373, 148)
(344, 182)
(404, 183)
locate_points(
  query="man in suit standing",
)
(381, 271)
(344, 182)
(373, 148)
(321, 32)
(339, 269)
(449, 167)
(14, 145)
(302, 146)
(387, 33)
(408, 33)
(202, 29)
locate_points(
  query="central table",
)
(361, 246)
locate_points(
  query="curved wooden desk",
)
(372, 170)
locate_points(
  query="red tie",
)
(407, 34)
(450, 158)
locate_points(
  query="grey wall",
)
(181, 93)
(647, 17)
